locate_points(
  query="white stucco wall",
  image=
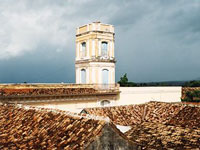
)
(128, 96)
(138, 95)
(75, 106)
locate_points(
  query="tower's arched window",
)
(83, 76)
(83, 50)
(105, 103)
(105, 76)
(104, 48)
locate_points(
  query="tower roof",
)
(95, 26)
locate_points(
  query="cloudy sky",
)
(156, 40)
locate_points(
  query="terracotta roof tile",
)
(158, 125)
(160, 112)
(45, 91)
(41, 129)
(122, 115)
(160, 136)
(187, 117)
(25, 127)
(135, 114)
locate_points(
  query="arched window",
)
(83, 76)
(104, 49)
(105, 76)
(105, 103)
(83, 50)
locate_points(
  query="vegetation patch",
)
(192, 96)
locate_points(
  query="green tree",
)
(124, 81)
(192, 84)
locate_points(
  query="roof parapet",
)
(95, 26)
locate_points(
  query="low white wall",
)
(74, 106)
(128, 95)
(138, 95)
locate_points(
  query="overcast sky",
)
(156, 40)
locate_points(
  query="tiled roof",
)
(31, 128)
(121, 115)
(45, 91)
(135, 114)
(160, 136)
(157, 125)
(189, 117)
(161, 112)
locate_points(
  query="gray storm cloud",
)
(155, 40)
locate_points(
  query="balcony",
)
(97, 59)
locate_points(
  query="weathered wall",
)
(137, 95)
(111, 140)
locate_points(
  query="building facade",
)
(72, 97)
(95, 79)
(95, 61)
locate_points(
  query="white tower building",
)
(95, 62)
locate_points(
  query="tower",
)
(95, 62)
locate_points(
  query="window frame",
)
(83, 70)
(104, 49)
(104, 103)
(83, 49)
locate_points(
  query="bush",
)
(192, 96)
(124, 82)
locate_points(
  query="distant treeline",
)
(194, 83)
(125, 83)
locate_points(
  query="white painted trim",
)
(80, 46)
(93, 76)
(109, 79)
(87, 47)
(93, 47)
(111, 76)
(99, 50)
(99, 27)
(102, 64)
(100, 75)
(79, 75)
(113, 49)
(93, 26)
(87, 76)
(110, 50)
